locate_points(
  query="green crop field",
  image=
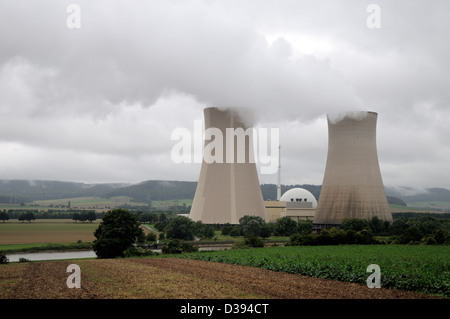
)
(418, 268)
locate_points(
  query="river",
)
(54, 255)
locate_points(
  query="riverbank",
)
(32, 248)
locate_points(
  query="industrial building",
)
(227, 191)
(296, 203)
(352, 184)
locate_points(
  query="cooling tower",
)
(352, 184)
(229, 190)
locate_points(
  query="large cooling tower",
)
(230, 190)
(352, 184)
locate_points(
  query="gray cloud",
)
(110, 94)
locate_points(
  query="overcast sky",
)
(99, 103)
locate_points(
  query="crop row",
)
(424, 269)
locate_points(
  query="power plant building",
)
(228, 187)
(296, 203)
(352, 184)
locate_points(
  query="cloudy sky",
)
(94, 95)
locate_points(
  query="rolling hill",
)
(19, 191)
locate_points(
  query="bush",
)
(3, 259)
(175, 246)
(249, 242)
(333, 236)
(355, 224)
(134, 251)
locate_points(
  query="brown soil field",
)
(172, 278)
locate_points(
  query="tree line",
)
(120, 230)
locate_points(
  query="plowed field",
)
(170, 278)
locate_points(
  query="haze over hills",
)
(19, 191)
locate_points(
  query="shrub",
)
(249, 242)
(3, 259)
(355, 224)
(175, 246)
(134, 251)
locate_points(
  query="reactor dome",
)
(299, 195)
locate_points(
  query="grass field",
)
(98, 203)
(42, 231)
(417, 268)
(86, 202)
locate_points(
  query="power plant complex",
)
(352, 184)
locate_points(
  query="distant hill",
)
(18, 191)
(156, 190)
(410, 195)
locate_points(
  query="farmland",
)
(418, 268)
(43, 233)
(174, 278)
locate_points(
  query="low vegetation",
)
(420, 268)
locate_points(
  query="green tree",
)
(356, 224)
(180, 227)
(117, 231)
(90, 216)
(28, 216)
(202, 230)
(304, 227)
(253, 226)
(285, 226)
(151, 237)
(376, 225)
(226, 229)
(4, 216)
(76, 216)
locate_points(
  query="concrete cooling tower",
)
(352, 184)
(229, 190)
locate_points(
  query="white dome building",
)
(301, 196)
(296, 203)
